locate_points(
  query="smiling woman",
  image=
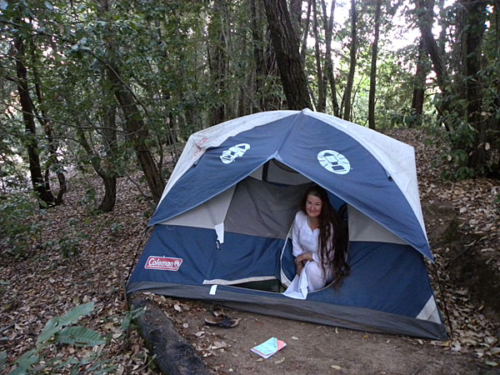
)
(319, 245)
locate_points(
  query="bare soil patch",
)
(312, 349)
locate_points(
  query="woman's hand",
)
(304, 257)
(301, 260)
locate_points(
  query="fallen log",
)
(173, 354)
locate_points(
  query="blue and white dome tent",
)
(223, 223)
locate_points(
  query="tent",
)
(221, 231)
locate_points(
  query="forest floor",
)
(463, 226)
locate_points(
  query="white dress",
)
(312, 277)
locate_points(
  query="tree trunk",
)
(417, 104)
(47, 127)
(137, 132)
(109, 133)
(285, 45)
(37, 180)
(321, 105)
(108, 178)
(352, 63)
(109, 199)
(272, 100)
(135, 128)
(218, 59)
(494, 121)
(296, 16)
(258, 55)
(424, 9)
(328, 24)
(172, 353)
(305, 34)
(373, 72)
(476, 17)
(244, 95)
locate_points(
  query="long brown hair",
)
(332, 246)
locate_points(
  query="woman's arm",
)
(304, 257)
(296, 246)
(301, 261)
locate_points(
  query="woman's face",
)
(313, 206)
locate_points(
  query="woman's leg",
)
(315, 276)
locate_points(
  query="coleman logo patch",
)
(163, 263)
(334, 162)
(234, 152)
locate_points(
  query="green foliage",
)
(56, 324)
(90, 198)
(116, 229)
(184, 60)
(21, 228)
(130, 318)
(464, 141)
(69, 243)
(79, 336)
(19, 223)
(60, 331)
(3, 358)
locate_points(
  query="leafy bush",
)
(19, 227)
(62, 331)
(69, 244)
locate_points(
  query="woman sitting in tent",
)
(319, 245)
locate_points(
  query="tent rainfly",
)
(221, 231)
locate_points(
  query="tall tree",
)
(352, 63)
(417, 104)
(373, 71)
(258, 54)
(104, 157)
(218, 58)
(474, 30)
(286, 47)
(296, 16)
(426, 18)
(305, 33)
(328, 25)
(135, 127)
(137, 132)
(321, 104)
(53, 159)
(25, 100)
(463, 82)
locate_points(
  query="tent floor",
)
(266, 286)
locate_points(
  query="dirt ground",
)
(316, 349)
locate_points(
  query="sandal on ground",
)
(222, 321)
(216, 310)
